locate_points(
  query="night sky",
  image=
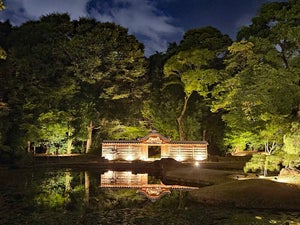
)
(154, 22)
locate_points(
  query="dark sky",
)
(154, 22)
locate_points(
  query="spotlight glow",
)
(129, 158)
(179, 158)
(109, 157)
(198, 157)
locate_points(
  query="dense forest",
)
(67, 85)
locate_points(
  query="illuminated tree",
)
(195, 65)
(64, 74)
(261, 91)
(109, 69)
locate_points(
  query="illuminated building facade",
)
(152, 147)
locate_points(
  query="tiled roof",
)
(188, 142)
(153, 134)
(121, 141)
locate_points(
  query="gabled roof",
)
(154, 137)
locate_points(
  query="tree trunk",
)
(180, 200)
(268, 150)
(204, 135)
(69, 143)
(89, 140)
(180, 118)
(28, 146)
(298, 111)
(86, 188)
(283, 56)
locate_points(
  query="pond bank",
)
(231, 188)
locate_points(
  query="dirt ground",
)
(233, 188)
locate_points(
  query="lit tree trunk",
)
(86, 188)
(69, 143)
(269, 150)
(28, 146)
(89, 140)
(180, 118)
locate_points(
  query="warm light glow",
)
(199, 157)
(109, 157)
(179, 158)
(129, 158)
(197, 164)
(128, 173)
(109, 173)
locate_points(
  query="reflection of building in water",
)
(151, 188)
(154, 146)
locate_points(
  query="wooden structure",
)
(152, 147)
(126, 179)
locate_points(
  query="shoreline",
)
(217, 184)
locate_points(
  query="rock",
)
(289, 172)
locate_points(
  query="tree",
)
(291, 148)
(63, 74)
(190, 68)
(260, 88)
(109, 69)
(258, 95)
(34, 86)
(195, 65)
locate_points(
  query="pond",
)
(76, 196)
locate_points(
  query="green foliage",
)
(260, 85)
(53, 192)
(240, 141)
(191, 67)
(194, 69)
(2, 54)
(205, 38)
(162, 110)
(256, 164)
(62, 74)
(291, 146)
(175, 200)
(291, 160)
(292, 140)
(273, 163)
(127, 132)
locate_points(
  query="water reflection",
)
(149, 186)
(104, 197)
(102, 190)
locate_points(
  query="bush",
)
(256, 164)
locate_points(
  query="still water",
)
(68, 196)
